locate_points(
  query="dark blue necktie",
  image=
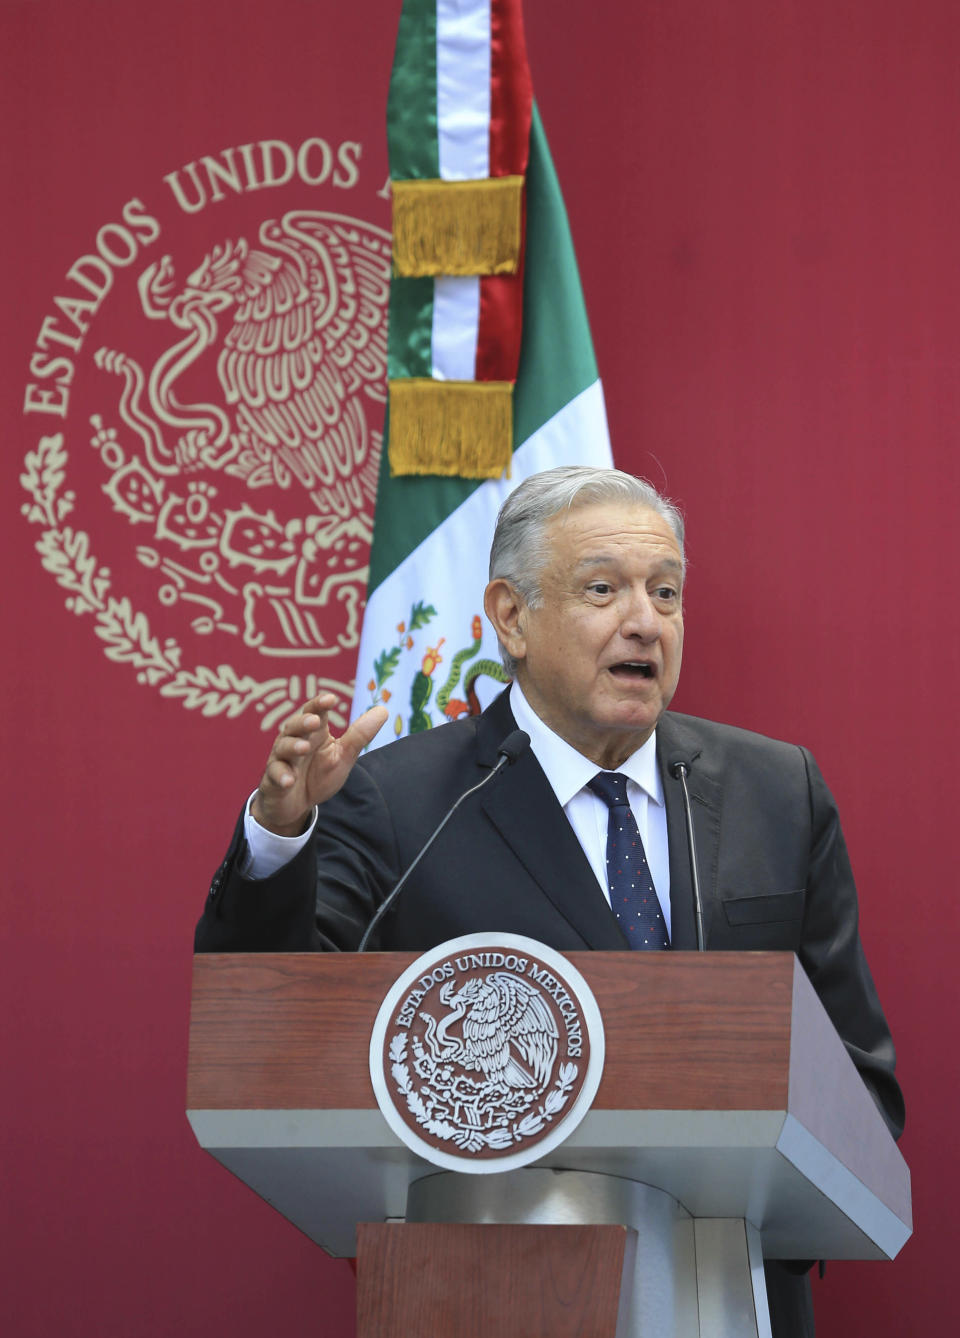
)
(633, 898)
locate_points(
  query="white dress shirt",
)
(568, 773)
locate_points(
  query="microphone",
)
(679, 768)
(513, 746)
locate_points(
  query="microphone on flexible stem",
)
(512, 747)
(679, 768)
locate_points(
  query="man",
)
(585, 595)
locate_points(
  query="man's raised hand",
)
(307, 765)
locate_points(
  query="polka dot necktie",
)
(633, 897)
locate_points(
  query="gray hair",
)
(519, 550)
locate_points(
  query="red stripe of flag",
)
(511, 107)
(511, 91)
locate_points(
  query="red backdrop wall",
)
(765, 202)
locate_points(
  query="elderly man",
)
(585, 595)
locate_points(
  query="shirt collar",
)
(569, 771)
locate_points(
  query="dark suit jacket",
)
(773, 869)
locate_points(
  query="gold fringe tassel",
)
(458, 428)
(457, 227)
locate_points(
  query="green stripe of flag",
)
(557, 361)
(412, 100)
(410, 347)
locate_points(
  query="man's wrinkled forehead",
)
(621, 529)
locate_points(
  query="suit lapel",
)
(676, 737)
(524, 810)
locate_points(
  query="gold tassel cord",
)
(456, 428)
(457, 227)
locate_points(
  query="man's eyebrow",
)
(597, 560)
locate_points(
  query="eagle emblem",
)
(297, 324)
(487, 1052)
(242, 454)
(507, 1037)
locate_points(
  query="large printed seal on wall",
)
(487, 1053)
(209, 385)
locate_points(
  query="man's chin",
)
(631, 717)
(611, 741)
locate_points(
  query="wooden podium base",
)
(536, 1252)
(426, 1280)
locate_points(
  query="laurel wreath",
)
(472, 1140)
(65, 553)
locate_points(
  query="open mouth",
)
(632, 669)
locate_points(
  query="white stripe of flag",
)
(456, 327)
(463, 89)
(463, 148)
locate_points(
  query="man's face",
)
(599, 658)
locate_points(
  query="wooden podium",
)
(729, 1124)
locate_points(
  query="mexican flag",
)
(426, 651)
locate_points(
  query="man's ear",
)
(505, 607)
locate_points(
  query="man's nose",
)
(641, 618)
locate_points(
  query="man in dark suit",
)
(586, 598)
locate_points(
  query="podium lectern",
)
(729, 1125)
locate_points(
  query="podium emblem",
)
(487, 1052)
